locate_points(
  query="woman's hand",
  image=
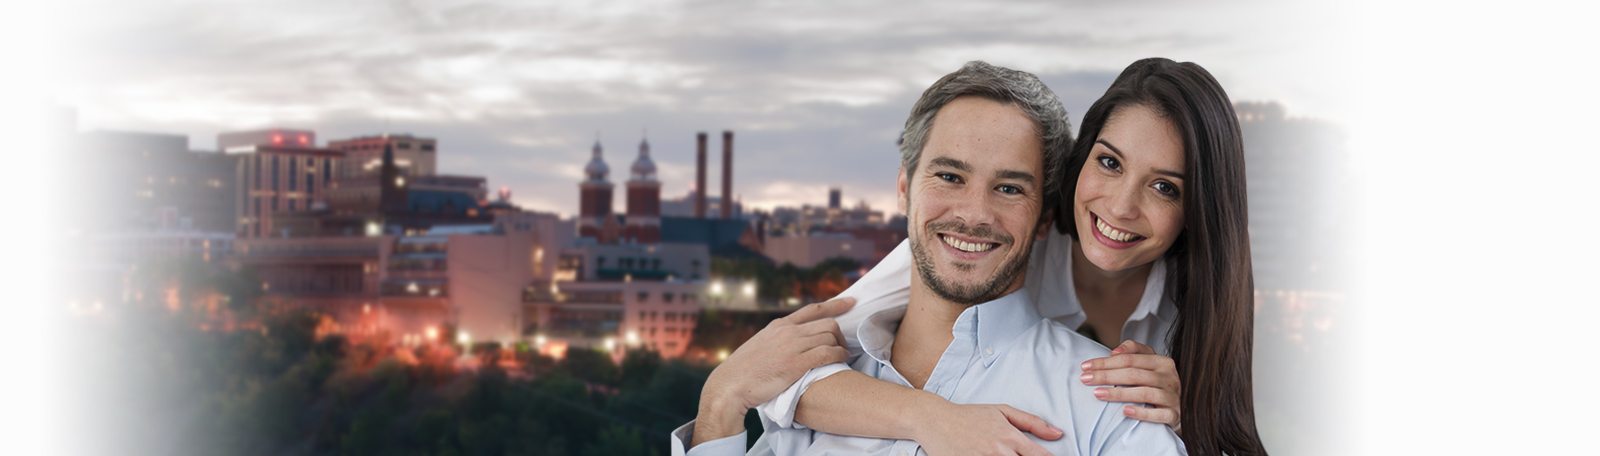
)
(983, 429)
(1153, 380)
(768, 363)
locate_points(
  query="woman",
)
(1151, 249)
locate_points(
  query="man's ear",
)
(900, 192)
(1046, 220)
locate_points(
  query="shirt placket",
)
(953, 365)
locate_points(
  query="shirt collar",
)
(996, 323)
(1154, 301)
(1000, 321)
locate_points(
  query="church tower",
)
(644, 200)
(391, 185)
(594, 197)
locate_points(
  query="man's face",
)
(973, 206)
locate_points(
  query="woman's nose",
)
(1124, 202)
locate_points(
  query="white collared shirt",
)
(1048, 284)
(1002, 352)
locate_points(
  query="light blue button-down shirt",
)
(1004, 352)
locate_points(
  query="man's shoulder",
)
(1056, 340)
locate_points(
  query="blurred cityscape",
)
(285, 294)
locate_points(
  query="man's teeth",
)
(1113, 233)
(967, 246)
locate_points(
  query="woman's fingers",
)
(1137, 361)
(825, 309)
(1133, 348)
(1165, 416)
(1130, 377)
(824, 326)
(1030, 423)
(1142, 395)
(823, 355)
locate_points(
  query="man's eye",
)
(1110, 163)
(1010, 189)
(951, 178)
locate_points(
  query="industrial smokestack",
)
(727, 174)
(700, 177)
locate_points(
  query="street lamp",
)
(750, 289)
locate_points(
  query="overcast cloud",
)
(816, 93)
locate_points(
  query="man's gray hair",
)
(1005, 85)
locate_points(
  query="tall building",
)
(644, 200)
(124, 180)
(595, 218)
(415, 156)
(727, 173)
(237, 141)
(275, 180)
(1293, 170)
(388, 201)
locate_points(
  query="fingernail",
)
(1101, 393)
(1053, 428)
(1127, 410)
(1116, 350)
(1086, 377)
(1086, 365)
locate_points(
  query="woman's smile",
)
(1112, 236)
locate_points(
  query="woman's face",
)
(1128, 205)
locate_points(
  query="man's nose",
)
(973, 206)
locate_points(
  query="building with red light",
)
(280, 180)
(229, 141)
(415, 156)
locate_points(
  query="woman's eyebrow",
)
(1108, 145)
(1169, 173)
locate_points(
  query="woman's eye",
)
(1010, 189)
(1110, 163)
(1166, 188)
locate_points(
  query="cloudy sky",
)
(517, 91)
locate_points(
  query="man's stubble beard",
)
(985, 291)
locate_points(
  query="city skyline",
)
(517, 93)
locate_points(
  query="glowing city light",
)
(611, 344)
(433, 333)
(722, 355)
(633, 337)
(716, 287)
(463, 337)
(750, 289)
(373, 229)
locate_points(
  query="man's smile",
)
(967, 245)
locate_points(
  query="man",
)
(974, 188)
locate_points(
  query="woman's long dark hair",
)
(1209, 275)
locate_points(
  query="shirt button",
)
(988, 350)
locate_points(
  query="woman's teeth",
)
(1113, 233)
(967, 246)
